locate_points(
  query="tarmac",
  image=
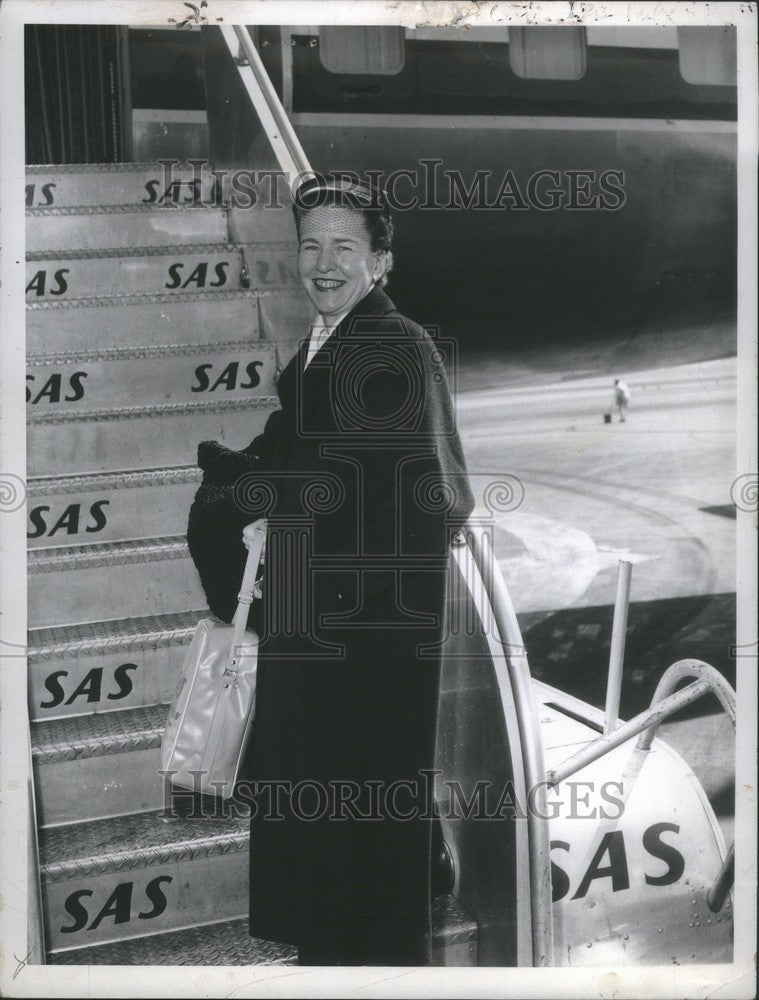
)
(654, 490)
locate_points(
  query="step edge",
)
(125, 208)
(104, 168)
(115, 628)
(126, 479)
(89, 748)
(152, 934)
(144, 351)
(157, 250)
(94, 554)
(154, 298)
(149, 410)
(184, 849)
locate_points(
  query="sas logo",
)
(181, 192)
(228, 379)
(199, 276)
(90, 687)
(39, 195)
(56, 284)
(119, 907)
(70, 521)
(610, 862)
(55, 389)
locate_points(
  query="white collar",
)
(321, 324)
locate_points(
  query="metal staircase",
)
(155, 321)
(149, 329)
(145, 336)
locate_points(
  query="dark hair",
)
(378, 222)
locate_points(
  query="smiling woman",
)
(365, 479)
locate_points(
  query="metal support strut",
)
(665, 702)
(273, 117)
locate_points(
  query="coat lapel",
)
(375, 303)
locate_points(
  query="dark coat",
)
(362, 477)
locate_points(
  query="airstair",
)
(150, 328)
(145, 335)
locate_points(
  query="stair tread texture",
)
(89, 555)
(123, 843)
(226, 943)
(75, 737)
(161, 250)
(119, 634)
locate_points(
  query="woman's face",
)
(336, 263)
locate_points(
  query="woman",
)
(364, 480)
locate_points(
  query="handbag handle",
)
(254, 538)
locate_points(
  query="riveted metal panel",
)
(77, 670)
(163, 897)
(132, 377)
(152, 271)
(66, 510)
(120, 321)
(134, 437)
(96, 582)
(109, 227)
(117, 184)
(637, 848)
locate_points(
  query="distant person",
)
(621, 398)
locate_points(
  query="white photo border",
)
(18, 977)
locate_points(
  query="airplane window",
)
(548, 53)
(708, 55)
(517, 71)
(632, 36)
(358, 49)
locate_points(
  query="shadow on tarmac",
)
(570, 648)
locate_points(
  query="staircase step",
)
(117, 184)
(139, 437)
(454, 943)
(69, 382)
(115, 507)
(69, 584)
(136, 875)
(76, 324)
(139, 270)
(89, 767)
(107, 227)
(226, 943)
(119, 664)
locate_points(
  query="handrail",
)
(718, 686)
(647, 720)
(665, 702)
(276, 124)
(35, 925)
(530, 738)
(677, 672)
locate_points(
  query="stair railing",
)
(530, 739)
(665, 703)
(284, 142)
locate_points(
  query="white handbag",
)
(211, 718)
